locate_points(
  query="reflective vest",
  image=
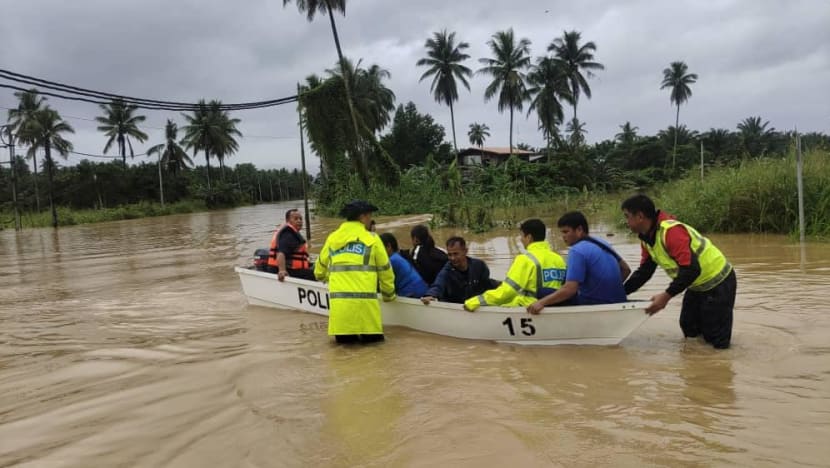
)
(537, 268)
(714, 267)
(355, 264)
(298, 259)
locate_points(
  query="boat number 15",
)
(526, 325)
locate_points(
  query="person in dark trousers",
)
(693, 263)
(462, 277)
(427, 258)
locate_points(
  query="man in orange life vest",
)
(288, 254)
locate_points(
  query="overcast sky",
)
(754, 57)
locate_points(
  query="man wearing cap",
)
(354, 262)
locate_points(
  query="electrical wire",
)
(68, 92)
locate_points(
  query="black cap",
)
(356, 208)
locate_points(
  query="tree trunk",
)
(452, 122)
(49, 178)
(573, 91)
(161, 184)
(207, 167)
(511, 132)
(123, 150)
(676, 131)
(364, 174)
(37, 192)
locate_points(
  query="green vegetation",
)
(755, 196)
(70, 217)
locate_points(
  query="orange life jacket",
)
(298, 259)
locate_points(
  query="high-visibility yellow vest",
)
(714, 267)
(537, 268)
(354, 262)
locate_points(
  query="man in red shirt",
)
(693, 263)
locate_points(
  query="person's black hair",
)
(389, 239)
(535, 227)
(456, 240)
(288, 213)
(640, 203)
(421, 233)
(573, 219)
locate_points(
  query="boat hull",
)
(606, 324)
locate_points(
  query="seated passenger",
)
(534, 274)
(595, 272)
(427, 258)
(289, 249)
(461, 277)
(408, 282)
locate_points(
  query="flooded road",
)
(130, 344)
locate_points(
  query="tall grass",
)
(757, 196)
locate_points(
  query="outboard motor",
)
(261, 259)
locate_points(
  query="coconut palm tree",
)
(548, 88)
(311, 8)
(577, 131)
(478, 133)
(29, 102)
(574, 59)
(198, 133)
(119, 124)
(627, 135)
(444, 59)
(170, 154)
(677, 78)
(222, 141)
(44, 131)
(507, 66)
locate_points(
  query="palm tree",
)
(678, 79)
(718, 142)
(548, 87)
(119, 124)
(222, 140)
(577, 131)
(444, 59)
(627, 135)
(170, 154)
(311, 8)
(575, 58)
(478, 133)
(755, 135)
(197, 134)
(506, 67)
(29, 102)
(44, 131)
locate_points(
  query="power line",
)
(99, 97)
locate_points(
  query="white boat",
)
(605, 324)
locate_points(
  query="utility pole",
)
(701, 159)
(302, 158)
(13, 168)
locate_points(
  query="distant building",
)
(493, 155)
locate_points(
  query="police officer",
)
(355, 264)
(533, 274)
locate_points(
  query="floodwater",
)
(131, 344)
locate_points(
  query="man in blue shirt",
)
(408, 283)
(595, 272)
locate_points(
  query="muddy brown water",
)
(131, 344)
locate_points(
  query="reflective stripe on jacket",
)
(539, 267)
(355, 264)
(714, 267)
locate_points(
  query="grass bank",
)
(756, 196)
(68, 217)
